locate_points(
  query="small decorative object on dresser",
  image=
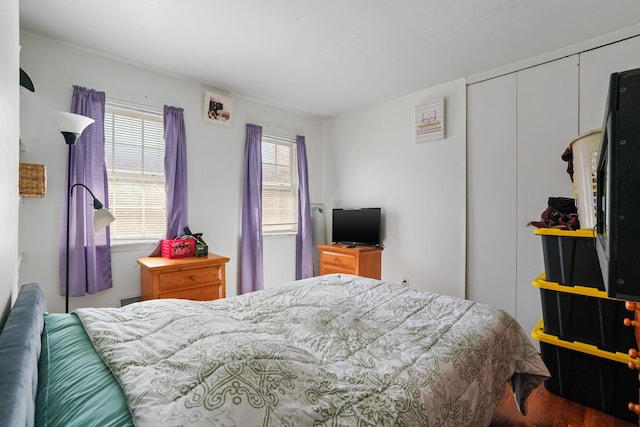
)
(194, 278)
(365, 261)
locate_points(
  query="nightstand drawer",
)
(336, 259)
(365, 261)
(189, 278)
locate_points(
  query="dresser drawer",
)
(195, 278)
(336, 259)
(203, 293)
(331, 269)
(177, 280)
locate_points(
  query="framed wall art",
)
(430, 121)
(217, 109)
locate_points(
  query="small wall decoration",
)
(217, 108)
(430, 121)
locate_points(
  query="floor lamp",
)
(71, 126)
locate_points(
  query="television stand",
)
(365, 261)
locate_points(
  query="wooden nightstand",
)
(195, 278)
(365, 261)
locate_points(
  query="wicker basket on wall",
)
(32, 180)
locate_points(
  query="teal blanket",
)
(74, 387)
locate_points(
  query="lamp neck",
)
(70, 137)
(97, 204)
(83, 186)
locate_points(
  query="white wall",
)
(215, 158)
(9, 134)
(372, 160)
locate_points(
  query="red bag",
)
(178, 248)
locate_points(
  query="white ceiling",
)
(325, 57)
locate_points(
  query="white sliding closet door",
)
(595, 68)
(491, 192)
(547, 109)
(518, 126)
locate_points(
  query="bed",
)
(333, 350)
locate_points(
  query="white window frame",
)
(291, 188)
(136, 177)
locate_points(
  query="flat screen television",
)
(357, 226)
(618, 188)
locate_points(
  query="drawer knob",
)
(633, 353)
(193, 278)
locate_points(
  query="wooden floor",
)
(548, 410)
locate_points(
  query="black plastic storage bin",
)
(589, 376)
(587, 315)
(570, 257)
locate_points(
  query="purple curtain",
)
(251, 273)
(304, 246)
(89, 251)
(175, 170)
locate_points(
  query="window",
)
(279, 186)
(134, 157)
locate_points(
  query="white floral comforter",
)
(329, 351)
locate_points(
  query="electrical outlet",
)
(405, 282)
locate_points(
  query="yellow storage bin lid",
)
(540, 282)
(584, 232)
(539, 334)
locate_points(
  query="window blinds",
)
(134, 157)
(279, 186)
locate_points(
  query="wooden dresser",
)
(363, 261)
(195, 278)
